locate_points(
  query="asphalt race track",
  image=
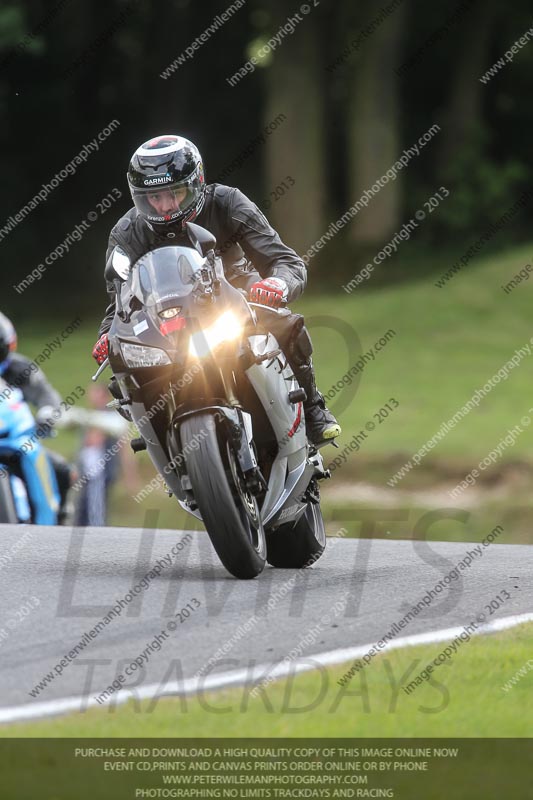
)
(58, 583)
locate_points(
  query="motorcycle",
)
(216, 404)
(28, 486)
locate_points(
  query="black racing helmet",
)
(8, 338)
(167, 164)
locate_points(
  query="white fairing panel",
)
(272, 380)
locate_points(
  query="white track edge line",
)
(238, 677)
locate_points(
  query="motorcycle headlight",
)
(137, 355)
(170, 313)
(226, 328)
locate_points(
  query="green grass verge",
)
(464, 699)
(448, 343)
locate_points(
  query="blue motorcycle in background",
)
(28, 486)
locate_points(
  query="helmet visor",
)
(168, 202)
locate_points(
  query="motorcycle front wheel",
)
(229, 511)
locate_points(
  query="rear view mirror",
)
(118, 266)
(116, 272)
(201, 239)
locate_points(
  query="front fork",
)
(241, 435)
(228, 384)
(237, 429)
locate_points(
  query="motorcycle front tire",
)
(230, 515)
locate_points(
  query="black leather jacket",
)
(238, 225)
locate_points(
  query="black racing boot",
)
(321, 425)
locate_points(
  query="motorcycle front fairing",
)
(165, 304)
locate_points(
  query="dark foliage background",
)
(68, 68)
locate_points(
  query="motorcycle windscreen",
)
(165, 276)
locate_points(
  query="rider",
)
(167, 184)
(21, 373)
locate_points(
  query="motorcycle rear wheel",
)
(229, 512)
